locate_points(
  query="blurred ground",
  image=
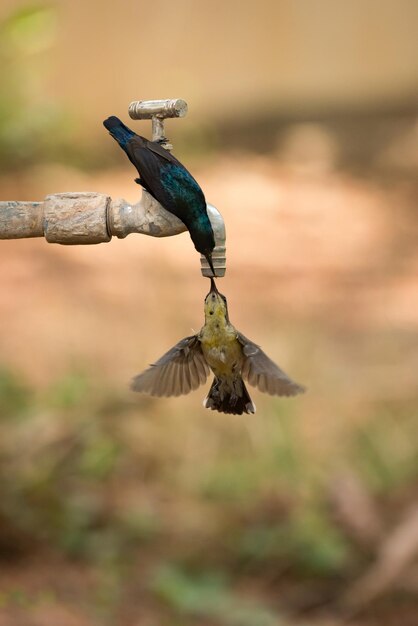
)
(153, 510)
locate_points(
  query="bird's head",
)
(216, 307)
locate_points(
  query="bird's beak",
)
(213, 287)
(210, 263)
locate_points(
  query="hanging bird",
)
(231, 357)
(168, 181)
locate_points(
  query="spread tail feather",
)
(229, 398)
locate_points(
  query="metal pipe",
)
(19, 220)
(86, 218)
(89, 218)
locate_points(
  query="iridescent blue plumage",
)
(119, 131)
(169, 182)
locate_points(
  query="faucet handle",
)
(157, 111)
(147, 109)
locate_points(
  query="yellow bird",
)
(231, 357)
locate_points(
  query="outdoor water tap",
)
(76, 218)
(157, 111)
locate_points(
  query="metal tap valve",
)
(158, 111)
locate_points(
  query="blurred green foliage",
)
(15, 397)
(385, 449)
(32, 126)
(307, 541)
(74, 478)
(208, 595)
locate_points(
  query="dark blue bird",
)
(168, 181)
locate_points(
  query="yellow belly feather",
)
(220, 346)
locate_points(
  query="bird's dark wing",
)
(179, 371)
(262, 372)
(168, 182)
(146, 162)
(149, 165)
(162, 152)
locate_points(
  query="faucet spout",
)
(219, 251)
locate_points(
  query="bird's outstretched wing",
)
(262, 372)
(177, 372)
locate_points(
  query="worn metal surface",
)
(157, 111)
(147, 109)
(146, 217)
(76, 218)
(20, 220)
(219, 251)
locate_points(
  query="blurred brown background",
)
(303, 131)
